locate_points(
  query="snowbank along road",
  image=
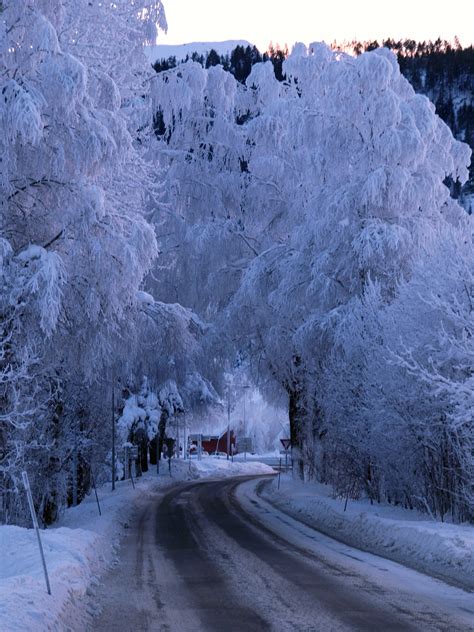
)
(215, 556)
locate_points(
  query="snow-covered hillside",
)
(165, 51)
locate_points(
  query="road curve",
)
(197, 560)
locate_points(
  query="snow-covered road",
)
(213, 555)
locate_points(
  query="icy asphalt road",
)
(213, 556)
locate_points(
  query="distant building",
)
(216, 443)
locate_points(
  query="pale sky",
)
(260, 21)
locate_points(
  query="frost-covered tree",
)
(200, 151)
(222, 158)
(292, 198)
(431, 363)
(75, 242)
(304, 208)
(25, 313)
(108, 38)
(399, 405)
(373, 157)
(222, 201)
(145, 416)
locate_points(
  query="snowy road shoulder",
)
(406, 586)
(442, 550)
(77, 550)
(81, 547)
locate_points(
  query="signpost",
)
(245, 445)
(286, 443)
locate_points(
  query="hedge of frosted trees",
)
(177, 225)
(314, 217)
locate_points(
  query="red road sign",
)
(285, 443)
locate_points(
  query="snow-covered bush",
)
(138, 423)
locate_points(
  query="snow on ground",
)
(220, 467)
(272, 456)
(24, 603)
(443, 550)
(82, 546)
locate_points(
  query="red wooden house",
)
(218, 443)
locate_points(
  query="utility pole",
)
(74, 476)
(177, 436)
(245, 427)
(185, 442)
(113, 437)
(74, 466)
(228, 422)
(245, 421)
(157, 453)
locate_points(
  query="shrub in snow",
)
(145, 416)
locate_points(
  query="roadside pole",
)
(157, 454)
(113, 437)
(245, 431)
(74, 476)
(185, 439)
(177, 436)
(228, 422)
(95, 489)
(286, 443)
(26, 483)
